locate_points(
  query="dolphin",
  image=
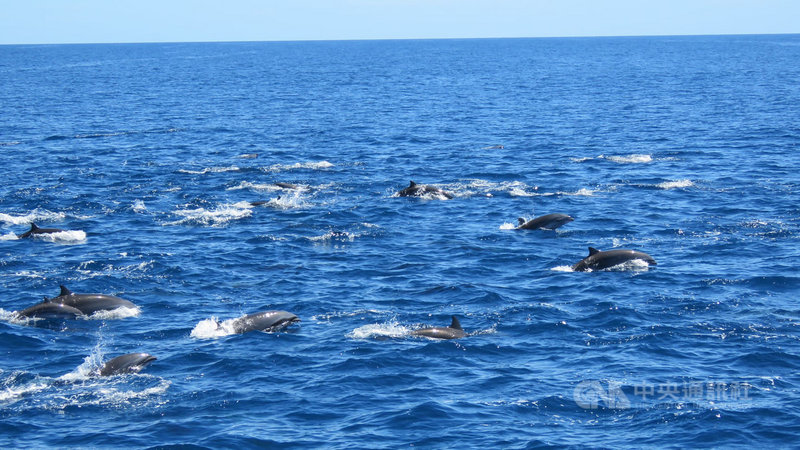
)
(36, 230)
(454, 331)
(129, 363)
(546, 222)
(89, 303)
(418, 190)
(288, 186)
(264, 321)
(264, 202)
(48, 310)
(598, 260)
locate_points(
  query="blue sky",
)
(85, 21)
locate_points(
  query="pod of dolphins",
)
(71, 305)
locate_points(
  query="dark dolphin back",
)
(49, 310)
(33, 230)
(418, 190)
(264, 321)
(411, 190)
(129, 363)
(547, 222)
(91, 303)
(599, 260)
(29, 232)
(36, 230)
(454, 331)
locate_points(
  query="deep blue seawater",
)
(687, 148)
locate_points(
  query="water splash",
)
(675, 184)
(63, 237)
(118, 313)
(379, 331)
(334, 236)
(210, 170)
(629, 159)
(313, 165)
(91, 365)
(138, 206)
(217, 217)
(209, 329)
(37, 215)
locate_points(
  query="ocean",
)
(207, 181)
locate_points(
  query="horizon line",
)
(233, 41)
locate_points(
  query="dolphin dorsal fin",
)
(412, 184)
(455, 324)
(593, 251)
(34, 227)
(65, 291)
(521, 221)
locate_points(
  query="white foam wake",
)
(629, 159)
(217, 217)
(314, 165)
(210, 170)
(379, 330)
(60, 237)
(36, 215)
(637, 158)
(63, 237)
(675, 184)
(633, 265)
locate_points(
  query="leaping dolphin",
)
(266, 321)
(129, 363)
(546, 222)
(454, 331)
(599, 260)
(89, 303)
(418, 190)
(36, 230)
